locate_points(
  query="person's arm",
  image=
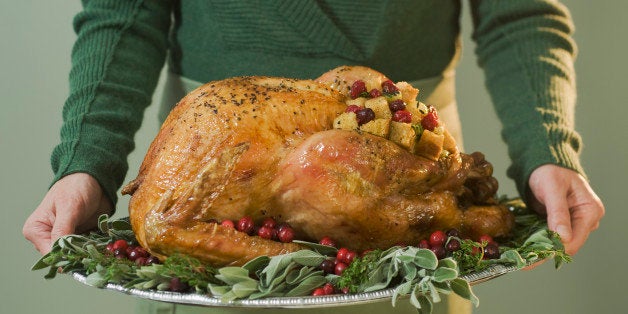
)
(527, 52)
(116, 60)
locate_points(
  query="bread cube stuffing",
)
(346, 121)
(379, 127)
(379, 105)
(403, 134)
(430, 145)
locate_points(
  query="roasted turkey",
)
(266, 147)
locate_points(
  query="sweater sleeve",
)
(527, 53)
(116, 60)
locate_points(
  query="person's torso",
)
(406, 40)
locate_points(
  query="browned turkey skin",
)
(265, 147)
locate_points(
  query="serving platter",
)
(491, 272)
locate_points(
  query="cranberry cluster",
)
(326, 289)
(269, 228)
(122, 249)
(396, 106)
(445, 243)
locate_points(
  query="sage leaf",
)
(276, 264)
(442, 274)
(425, 258)
(265, 292)
(244, 288)
(256, 264)
(307, 258)
(95, 280)
(120, 225)
(322, 249)
(461, 287)
(41, 263)
(434, 292)
(307, 286)
(218, 290)
(233, 275)
(298, 275)
(103, 224)
(448, 262)
(402, 289)
(513, 257)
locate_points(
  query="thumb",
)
(64, 224)
(558, 215)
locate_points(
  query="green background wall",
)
(37, 39)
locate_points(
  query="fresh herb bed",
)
(409, 270)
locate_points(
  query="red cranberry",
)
(265, 232)
(345, 290)
(365, 115)
(318, 292)
(227, 223)
(246, 225)
(357, 88)
(152, 260)
(176, 285)
(341, 255)
(327, 241)
(423, 244)
(439, 251)
(109, 247)
(141, 261)
(119, 254)
(286, 235)
(491, 251)
(340, 268)
(374, 93)
(402, 116)
(269, 222)
(283, 225)
(453, 232)
(453, 245)
(388, 87)
(485, 238)
(353, 108)
(328, 288)
(120, 245)
(430, 120)
(349, 257)
(327, 266)
(133, 255)
(437, 238)
(396, 105)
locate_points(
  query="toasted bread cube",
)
(379, 127)
(346, 121)
(430, 145)
(379, 105)
(358, 102)
(403, 134)
(413, 108)
(408, 92)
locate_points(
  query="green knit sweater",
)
(524, 47)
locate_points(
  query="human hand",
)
(573, 209)
(72, 205)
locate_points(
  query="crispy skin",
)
(264, 147)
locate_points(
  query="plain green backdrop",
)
(37, 37)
